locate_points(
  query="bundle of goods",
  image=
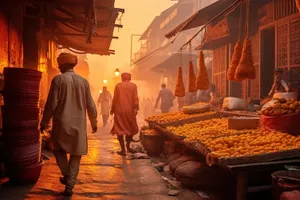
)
(167, 118)
(245, 69)
(196, 108)
(204, 131)
(258, 142)
(234, 61)
(192, 78)
(232, 103)
(282, 115)
(202, 80)
(21, 137)
(180, 90)
(195, 174)
(152, 141)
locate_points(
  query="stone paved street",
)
(103, 175)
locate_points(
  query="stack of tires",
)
(21, 137)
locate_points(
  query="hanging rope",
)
(247, 18)
(240, 22)
(190, 52)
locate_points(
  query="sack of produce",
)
(232, 103)
(174, 157)
(182, 159)
(202, 80)
(169, 148)
(180, 90)
(192, 78)
(195, 174)
(246, 69)
(234, 61)
(293, 195)
(286, 95)
(196, 108)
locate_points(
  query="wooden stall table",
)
(243, 170)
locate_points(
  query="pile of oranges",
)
(176, 116)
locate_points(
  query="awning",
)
(82, 26)
(217, 35)
(172, 63)
(201, 17)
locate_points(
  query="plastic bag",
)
(232, 103)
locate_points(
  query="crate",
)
(240, 123)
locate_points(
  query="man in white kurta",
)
(68, 102)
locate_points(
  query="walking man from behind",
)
(125, 108)
(68, 102)
(166, 97)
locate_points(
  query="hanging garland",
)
(298, 4)
(246, 69)
(180, 90)
(192, 76)
(236, 57)
(202, 81)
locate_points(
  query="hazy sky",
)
(137, 17)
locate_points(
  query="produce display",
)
(234, 61)
(204, 130)
(254, 143)
(279, 107)
(245, 69)
(196, 108)
(171, 117)
(192, 78)
(180, 90)
(152, 132)
(202, 80)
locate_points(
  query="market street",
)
(103, 175)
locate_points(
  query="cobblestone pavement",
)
(103, 175)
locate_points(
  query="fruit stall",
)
(240, 142)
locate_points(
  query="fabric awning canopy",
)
(201, 17)
(172, 63)
(82, 26)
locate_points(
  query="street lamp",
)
(105, 81)
(117, 72)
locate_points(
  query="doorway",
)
(267, 64)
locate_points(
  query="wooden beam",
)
(67, 3)
(83, 35)
(100, 24)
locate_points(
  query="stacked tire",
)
(21, 137)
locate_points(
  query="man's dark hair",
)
(163, 85)
(68, 66)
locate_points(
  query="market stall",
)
(236, 140)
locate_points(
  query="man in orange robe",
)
(125, 106)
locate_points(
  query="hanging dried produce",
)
(234, 61)
(202, 80)
(298, 4)
(246, 69)
(192, 78)
(180, 90)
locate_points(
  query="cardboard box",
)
(240, 123)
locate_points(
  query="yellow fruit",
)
(284, 106)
